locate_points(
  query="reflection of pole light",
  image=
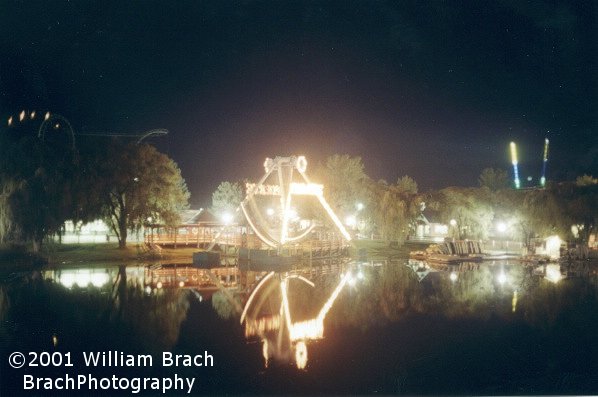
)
(301, 354)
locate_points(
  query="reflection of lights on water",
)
(502, 278)
(301, 354)
(514, 301)
(265, 352)
(83, 278)
(553, 273)
(453, 276)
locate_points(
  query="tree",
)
(586, 180)
(345, 183)
(407, 185)
(37, 174)
(136, 184)
(226, 198)
(494, 179)
(395, 208)
(470, 208)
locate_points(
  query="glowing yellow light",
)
(181, 284)
(22, 115)
(32, 115)
(513, 153)
(514, 302)
(47, 116)
(10, 121)
(159, 285)
(54, 340)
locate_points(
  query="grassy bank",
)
(66, 254)
(380, 250)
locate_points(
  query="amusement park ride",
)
(269, 208)
(515, 162)
(283, 170)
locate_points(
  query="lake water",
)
(399, 327)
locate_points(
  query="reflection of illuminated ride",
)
(293, 334)
(273, 224)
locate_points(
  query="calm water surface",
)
(396, 327)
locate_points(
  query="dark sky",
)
(431, 89)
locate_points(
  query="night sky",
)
(431, 89)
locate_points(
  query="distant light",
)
(32, 115)
(148, 290)
(360, 275)
(453, 222)
(22, 116)
(553, 246)
(47, 116)
(181, 284)
(10, 121)
(270, 211)
(453, 276)
(501, 227)
(502, 278)
(227, 218)
(351, 221)
(301, 164)
(513, 153)
(159, 284)
(56, 126)
(359, 206)
(529, 178)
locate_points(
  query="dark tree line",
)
(47, 180)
